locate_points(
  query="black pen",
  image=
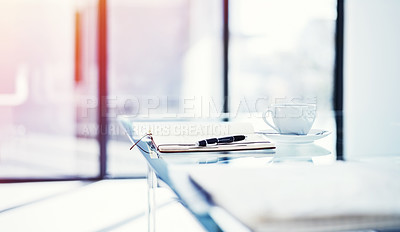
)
(229, 139)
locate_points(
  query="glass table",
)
(172, 169)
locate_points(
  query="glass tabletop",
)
(315, 150)
(174, 168)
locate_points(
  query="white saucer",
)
(313, 135)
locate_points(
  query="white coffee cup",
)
(291, 118)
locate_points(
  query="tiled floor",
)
(109, 205)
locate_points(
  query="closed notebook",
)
(183, 137)
(188, 144)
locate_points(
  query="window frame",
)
(102, 121)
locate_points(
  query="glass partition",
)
(48, 88)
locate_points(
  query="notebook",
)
(188, 144)
(172, 137)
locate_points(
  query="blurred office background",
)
(159, 53)
(162, 55)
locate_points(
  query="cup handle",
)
(264, 117)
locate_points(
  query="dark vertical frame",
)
(102, 85)
(338, 79)
(225, 35)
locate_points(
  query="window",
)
(164, 57)
(282, 51)
(40, 99)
